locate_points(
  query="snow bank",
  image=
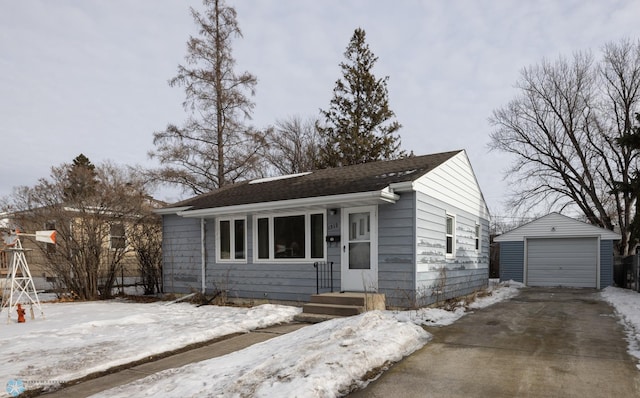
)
(76, 339)
(441, 317)
(497, 293)
(627, 305)
(323, 360)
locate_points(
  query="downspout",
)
(203, 253)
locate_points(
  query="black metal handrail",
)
(324, 275)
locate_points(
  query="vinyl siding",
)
(606, 263)
(437, 276)
(250, 280)
(181, 260)
(512, 261)
(273, 281)
(450, 283)
(396, 251)
(454, 182)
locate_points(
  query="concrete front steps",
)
(327, 306)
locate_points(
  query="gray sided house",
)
(556, 250)
(415, 229)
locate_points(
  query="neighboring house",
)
(45, 279)
(114, 238)
(415, 229)
(556, 250)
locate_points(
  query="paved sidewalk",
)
(543, 343)
(216, 349)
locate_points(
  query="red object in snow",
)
(20, 314)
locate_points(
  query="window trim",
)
(307, 240)
(478, 242)
(452, 235)
(232, 240)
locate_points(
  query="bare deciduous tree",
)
(214, 146)
(146, 242)
(293, 145)
(85, 205)
(563, 128)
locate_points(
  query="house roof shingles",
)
(366, 177)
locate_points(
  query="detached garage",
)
(556, 250)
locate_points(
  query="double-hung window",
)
(116, 235)
(477, 237)
(290, 237)
(450, 236)
(232, 239)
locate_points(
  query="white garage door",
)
(568, 262)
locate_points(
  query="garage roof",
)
(555, 225)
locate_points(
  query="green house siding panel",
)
(512, 261)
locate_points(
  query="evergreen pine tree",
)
(359, 125)
(632, 186)
(81, 179)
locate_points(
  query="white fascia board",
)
(329, 201)
(171, 210)
(406, 186)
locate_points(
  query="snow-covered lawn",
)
(77, 339)
(322, 360)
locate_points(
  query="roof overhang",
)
(406, 186)
(332, 201)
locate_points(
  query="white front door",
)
(359, 260)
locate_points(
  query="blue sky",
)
(90, 76)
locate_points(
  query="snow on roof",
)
(276, 178)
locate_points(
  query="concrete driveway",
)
(543, 343)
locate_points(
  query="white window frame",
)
(452, 235)
(478, 234)
(232, 240)
(307, 240)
